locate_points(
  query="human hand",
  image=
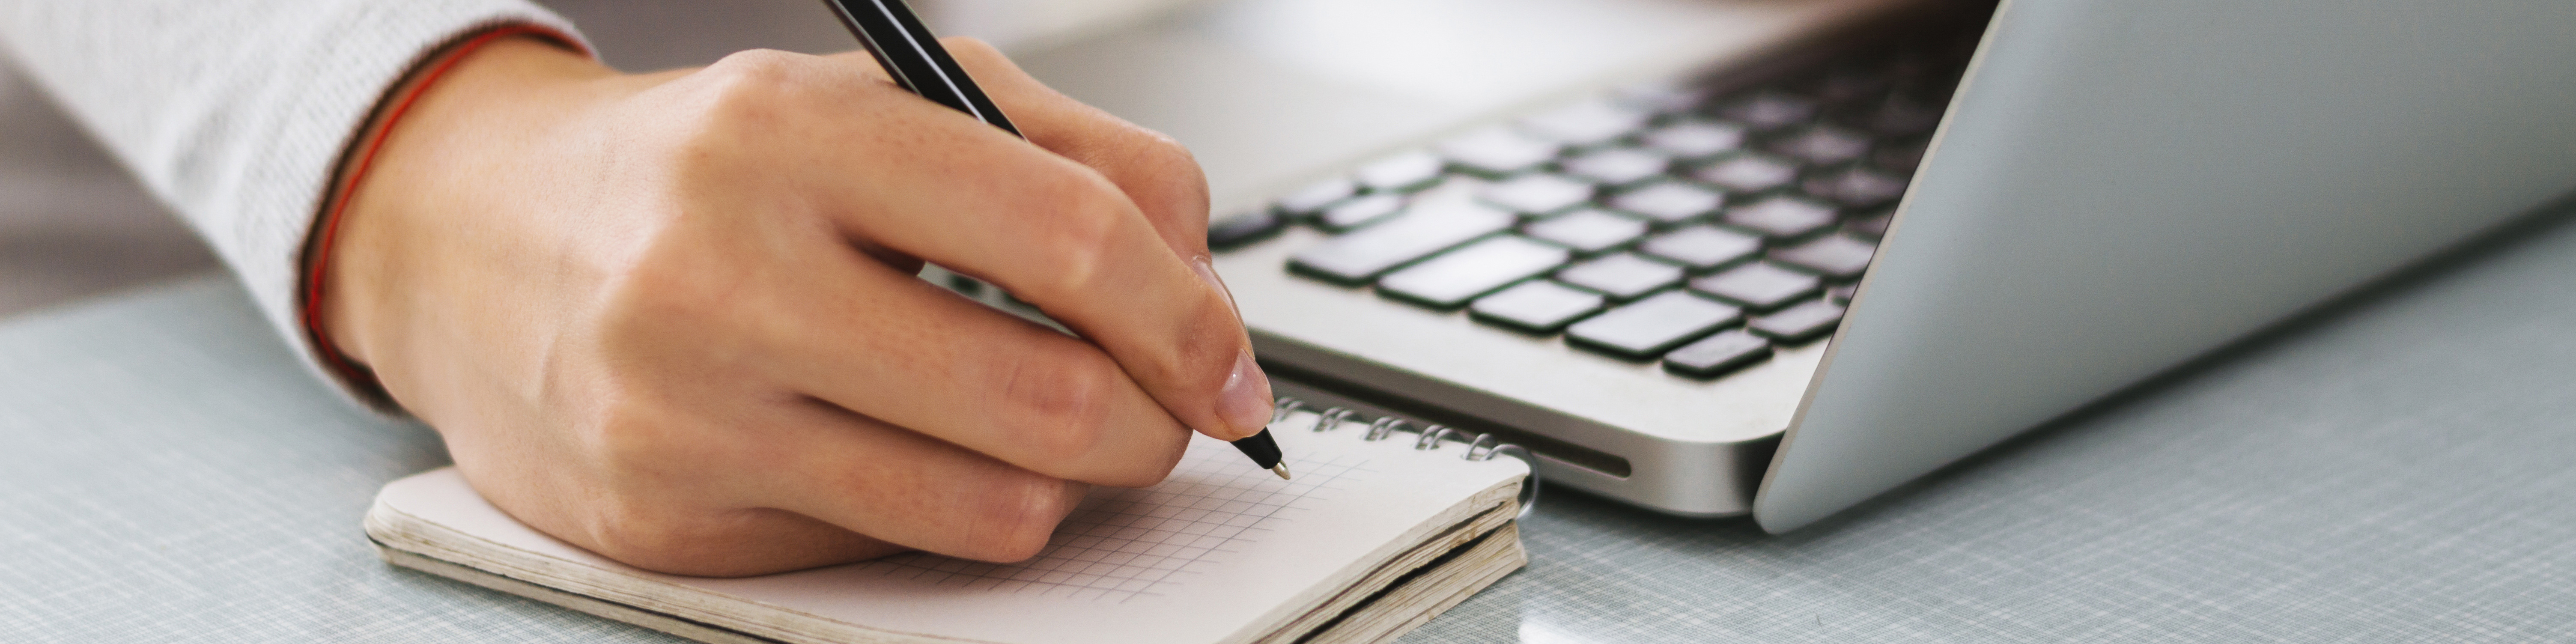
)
(672, 318)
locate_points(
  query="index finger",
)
(938, 185)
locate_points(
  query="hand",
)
(672, 318)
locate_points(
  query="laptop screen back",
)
(2122, 186)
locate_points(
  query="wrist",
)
(460, 113)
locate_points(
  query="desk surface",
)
(2401, 469)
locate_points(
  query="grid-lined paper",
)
(1127, 543)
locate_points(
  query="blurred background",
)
(74, 224)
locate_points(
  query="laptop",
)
(1759, 257)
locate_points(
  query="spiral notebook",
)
(1383, 528)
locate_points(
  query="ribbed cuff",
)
(351, 66)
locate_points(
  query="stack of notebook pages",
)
(1380, 531)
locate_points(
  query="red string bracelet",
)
(320, 256)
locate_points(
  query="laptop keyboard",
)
(1669, 225)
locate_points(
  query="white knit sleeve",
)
(235, 112)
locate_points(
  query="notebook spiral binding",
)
(1480, 447)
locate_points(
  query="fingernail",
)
(1207, 273)
(1245, 402)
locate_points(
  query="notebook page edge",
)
(1485, 564)
(1387, 573)
(391, 527)
(587, 605)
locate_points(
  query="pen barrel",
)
(913, 57)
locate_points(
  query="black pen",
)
(909, 53)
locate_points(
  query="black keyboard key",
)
(1717, 355)
(1622, 276)
(1840, 258)
(1537, 194)
(1359, 212)
(1749, 173)
(1759, 286)
(1242, 229)
(1399, 173)
(1703, 247)
(1771, 111)
(1585, 124)
(1358, 256)
(1649, 327)
(1497, 151)
(1537, 306)
(1823, 145)
(1622, 166)
(1448, 280)
(1798, 324)
(1669, 202)
(1588, 231)
(1872, 226)
(1782, 217)
(1842, 294)
(1308, 201)
(1857, 187)
(1694, 139)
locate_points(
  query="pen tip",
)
(1281, 470)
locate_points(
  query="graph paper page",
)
(1218, 552)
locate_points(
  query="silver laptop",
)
(1718, 258)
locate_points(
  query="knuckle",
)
(1162, 176)
(630, 513)
(628, 521)
(744, 90)
(755, 68)
(1079, 241)
(1172, 169)
(1014, 516)
(1060, 401)
(1165, 158)
(1152, 468)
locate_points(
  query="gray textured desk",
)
(2404, 470)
